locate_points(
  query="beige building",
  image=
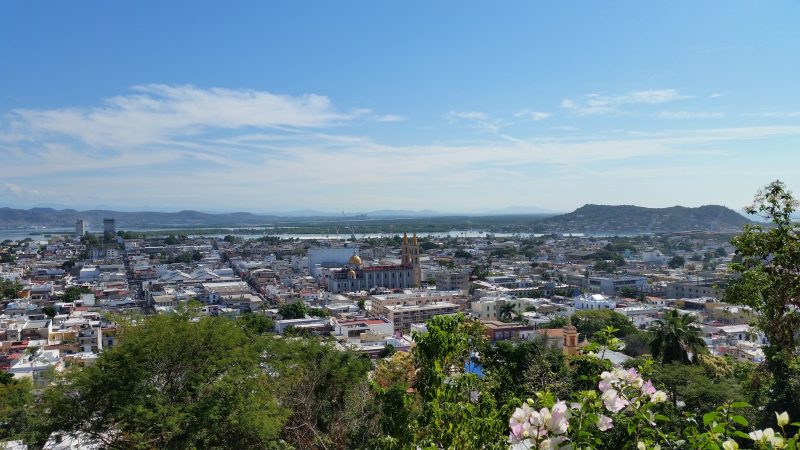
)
(403, 315)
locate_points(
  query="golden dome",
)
(355, 260)
(351, 273)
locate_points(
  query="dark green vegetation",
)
(769, 281)
(177, 381)
(9, 289)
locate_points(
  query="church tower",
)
(410, 257)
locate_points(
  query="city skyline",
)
(449, 107)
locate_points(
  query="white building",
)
(321, 257)
(594, 301)
(80, 228)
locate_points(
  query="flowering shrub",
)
(624, 393)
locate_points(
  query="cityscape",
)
(399, 226)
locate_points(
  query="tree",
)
(506, 312)
(73, 293)
(589, 322)
(49, 311)
(256, 324)
(294, 310)
(318, 312)
(9, 289)
(173, 381)
(768, 280)
(16, 407)
(674, 337)
(676, 261)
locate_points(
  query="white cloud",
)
(157, 112)
(596, 103)
(480, 120)
(532, 115)
(391, 118)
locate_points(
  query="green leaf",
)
(740, 405)
(739, 420)
(709, 417)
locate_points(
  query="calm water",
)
(39, 234)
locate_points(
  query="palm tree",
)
(674, 337)
(506, 312)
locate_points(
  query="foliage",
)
(9, 289)
(294, 310)
(318, 312)
(255, 324)
(171, 382)
(49, 311)
(73, 293)
(16, 405)
(768, 280)
(676, 261)
(676, 336)
(589, 322)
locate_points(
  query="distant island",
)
(610, 219)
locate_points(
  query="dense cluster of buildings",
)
(374, 294)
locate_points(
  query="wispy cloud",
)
(689, 114)
(478, 119)
(314, 155)
(597, 103)
(156, 112)
(774, 114)
(529, 114)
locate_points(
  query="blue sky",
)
(355, 106)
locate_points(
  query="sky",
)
(451, 106)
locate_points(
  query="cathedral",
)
(354, 276)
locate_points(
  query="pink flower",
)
(648, 388)
(613, 401)
(604, 423)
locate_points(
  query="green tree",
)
(589, 322)
(16, 407)
(73, 293)
(768, 280)
(676, 261)
(294, 310)
(256, 324)
(674, 337)
(173, 381)
(506, 312)
(49, 311)
(9, 289)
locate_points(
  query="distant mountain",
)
(54, 218)
(637, 219)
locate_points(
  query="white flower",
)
(604, 423)
(640, 446)
(552, 443)
(730, 444)
(783, 419)
(777, 442)
(613, 401)
(558, 420)
(762, 435)
(658, 397)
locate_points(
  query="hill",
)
(638, 219)
(49, 217)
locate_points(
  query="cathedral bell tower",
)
(410, 255)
